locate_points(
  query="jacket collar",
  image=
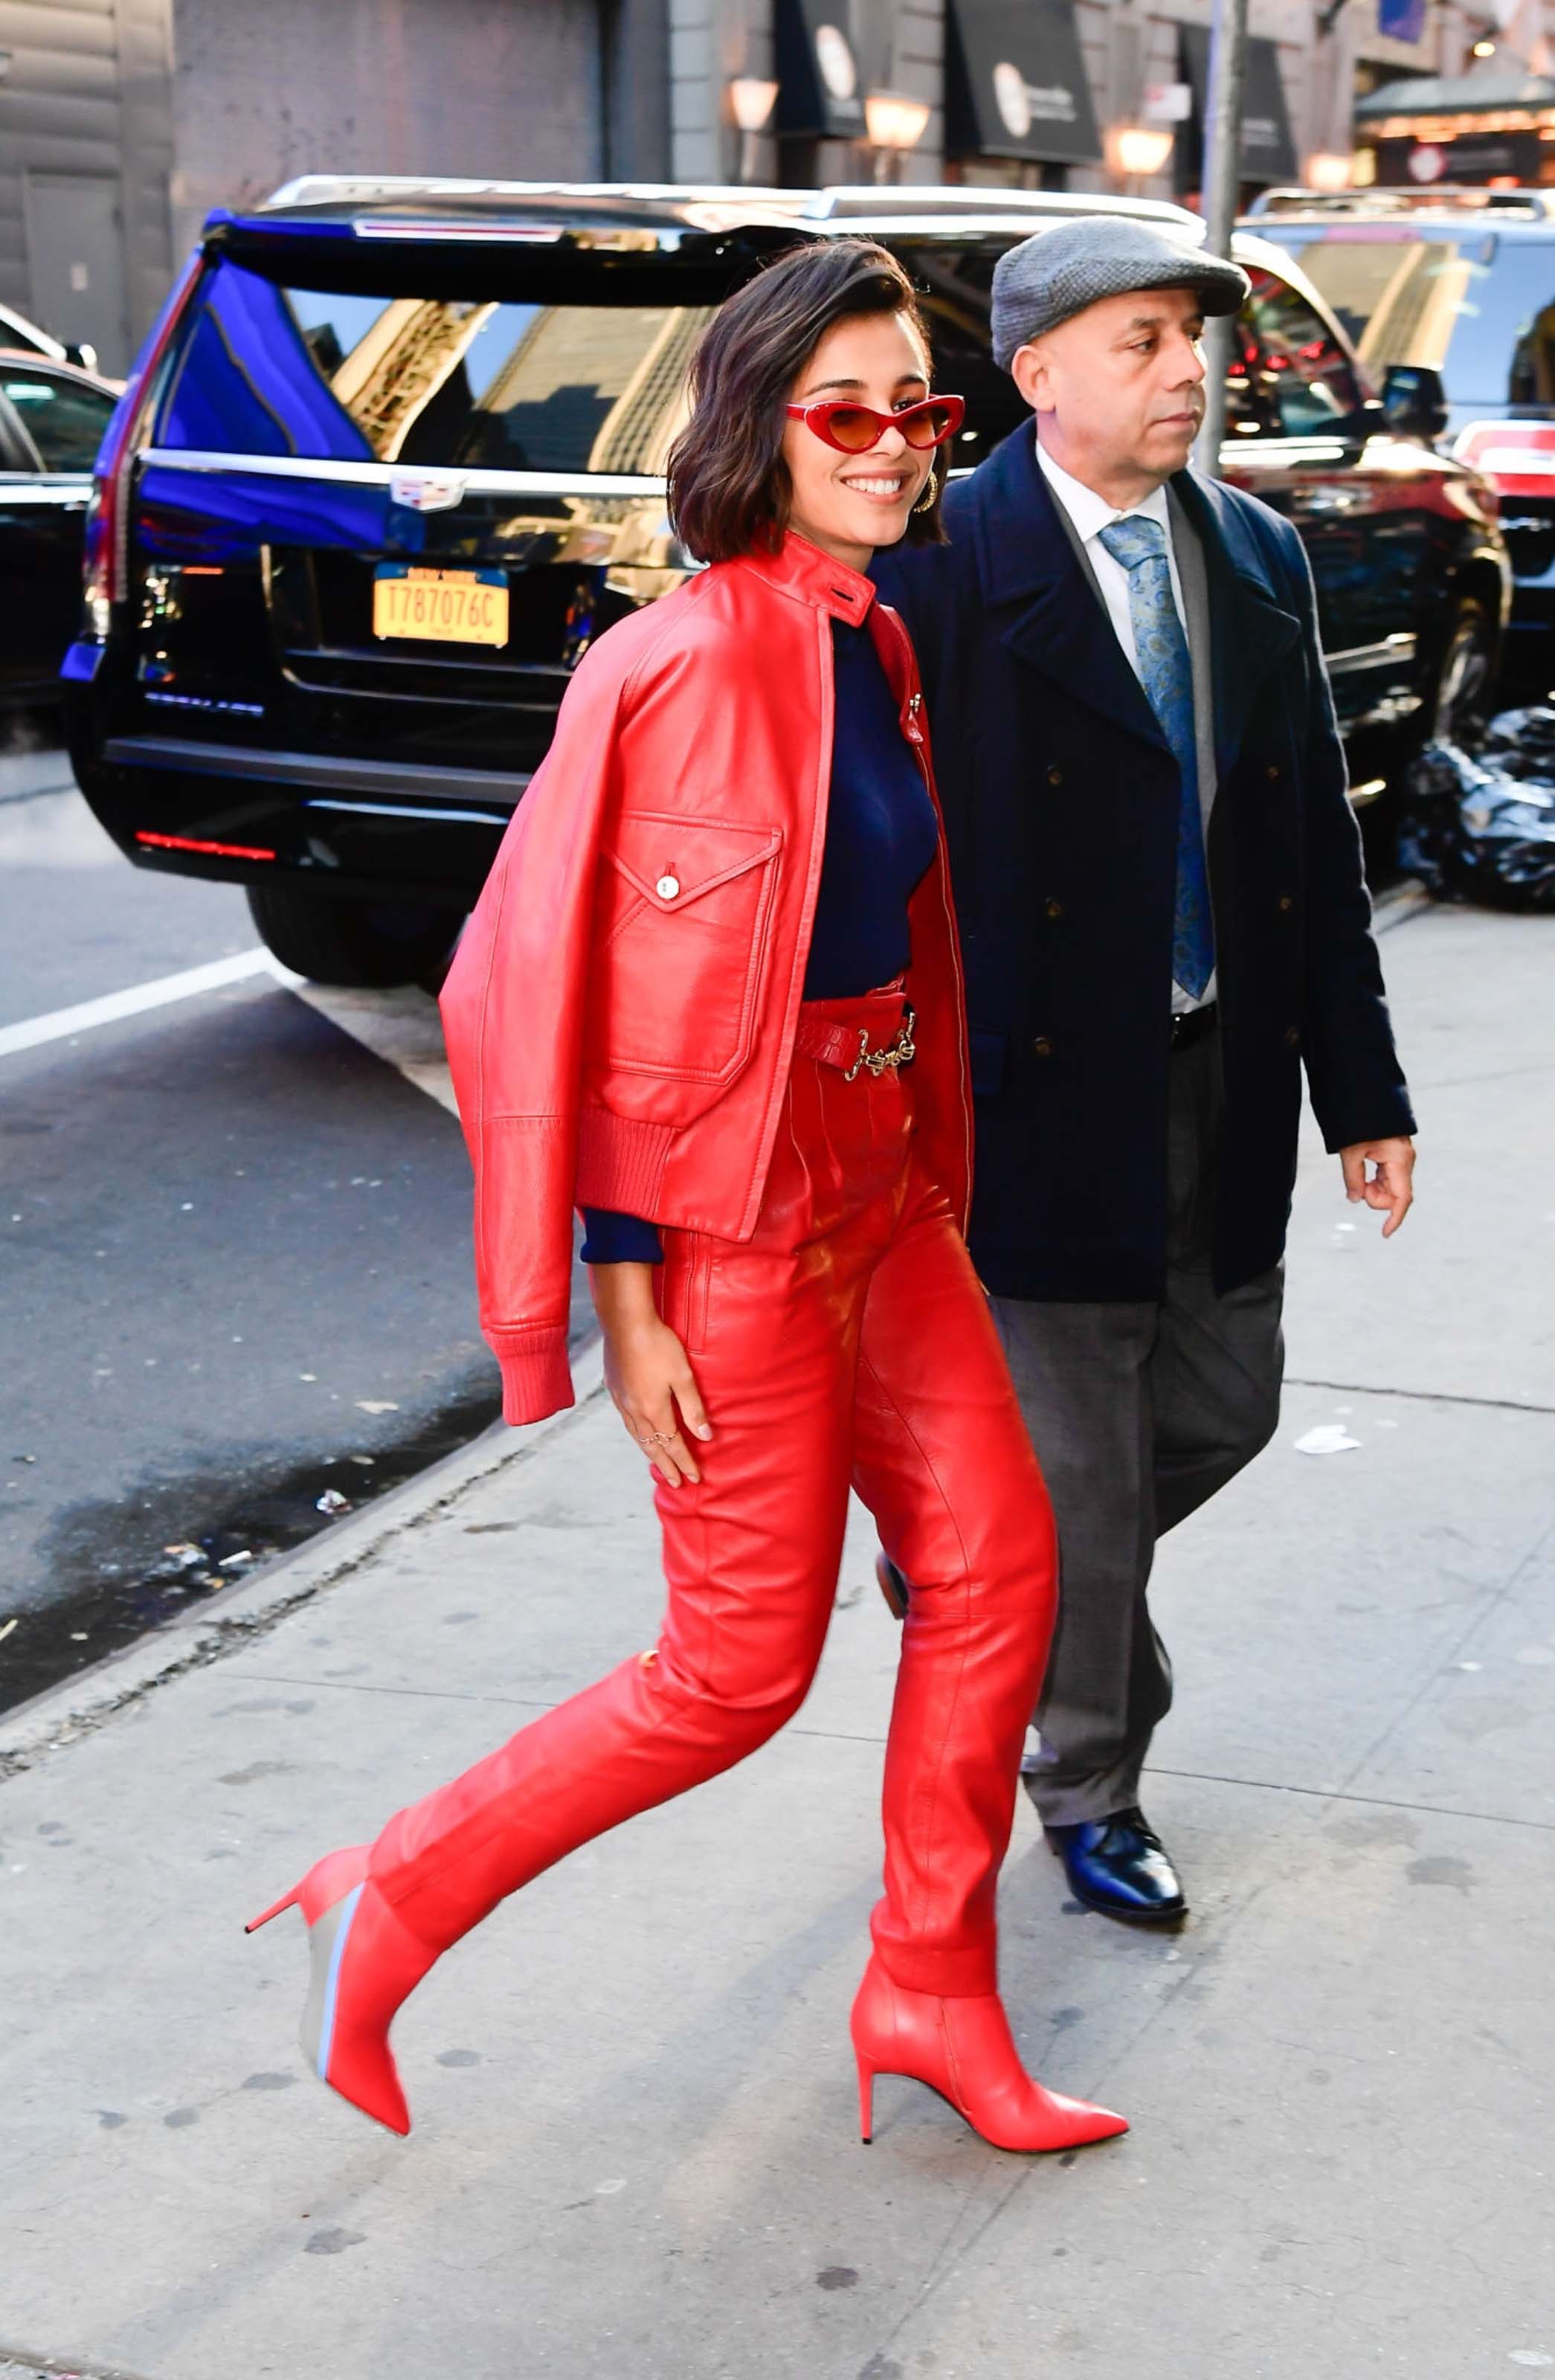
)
(1025, 559)
(802, 571)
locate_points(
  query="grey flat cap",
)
(1059, 272)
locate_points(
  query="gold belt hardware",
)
(900, 1053)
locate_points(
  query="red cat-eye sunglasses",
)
(854, 429)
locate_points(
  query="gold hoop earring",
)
(931, 489)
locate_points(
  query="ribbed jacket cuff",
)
(535, 1376)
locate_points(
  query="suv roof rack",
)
(717, 206)
(1445, 198)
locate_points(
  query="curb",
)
(1399, 904)
(235, 1615)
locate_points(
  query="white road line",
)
(400, 1028)
(61, 1023)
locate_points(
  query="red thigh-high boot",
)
(381, 1915)
(944, 1461)
(734, 1663)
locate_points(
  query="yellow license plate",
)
(444, 607)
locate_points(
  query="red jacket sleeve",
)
(513, 1010)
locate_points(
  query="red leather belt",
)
(846, 1047)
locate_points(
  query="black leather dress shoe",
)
(1118, 1866)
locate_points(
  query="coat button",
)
(1285, 902)
(667, 887)
(1053, 909)
(1042, 1047)
(1055, 776)
(1293, 1037)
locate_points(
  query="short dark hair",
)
(729, 489)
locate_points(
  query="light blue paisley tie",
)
(1166, 675)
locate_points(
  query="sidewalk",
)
(635, 2154)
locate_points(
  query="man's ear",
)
(1029, 370)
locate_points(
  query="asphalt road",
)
(234, 1257)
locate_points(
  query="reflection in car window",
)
(1290, 378)
(1400, 293)
(504, 387)
(65, 418)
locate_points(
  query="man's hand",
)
(1392, 1184)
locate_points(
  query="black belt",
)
(1195, 1026)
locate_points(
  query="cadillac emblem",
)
(427, 492)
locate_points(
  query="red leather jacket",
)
(620, 1015)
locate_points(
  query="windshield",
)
(1474, 305)
(490, 385)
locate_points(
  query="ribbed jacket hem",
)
(621, 1162)
(535, 1376)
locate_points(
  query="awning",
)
(1015, 83)
(1471, 95)
(1268, 151)
(821, 76)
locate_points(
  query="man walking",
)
(1159, 880)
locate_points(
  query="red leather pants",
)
(848, 1341)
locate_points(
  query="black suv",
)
(394, 456)
(1460, 282)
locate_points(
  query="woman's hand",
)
(647, 1371)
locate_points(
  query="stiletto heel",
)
(866, 2102)
(289, 1901)
(364, 1962)
(962, 2048)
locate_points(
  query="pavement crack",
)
(1362, 1800)
(1422, 1396)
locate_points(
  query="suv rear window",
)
(488, 383)
(1464, 302)
(548, 363)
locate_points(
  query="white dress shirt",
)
(1090, 514)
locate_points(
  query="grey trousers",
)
(1138, 1414)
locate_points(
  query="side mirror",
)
(1413, 401)
(83, 353)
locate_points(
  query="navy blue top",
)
(881, 834)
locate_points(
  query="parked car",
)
(17, 331)
(1460, 284)
(394, 455)
(53, 421)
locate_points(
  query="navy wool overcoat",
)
(1060, 800)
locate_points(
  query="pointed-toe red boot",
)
(365, 1962)
(964, 2049)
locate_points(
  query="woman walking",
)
(711, 994)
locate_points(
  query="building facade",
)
(124, 122)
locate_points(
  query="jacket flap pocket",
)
(673, 860)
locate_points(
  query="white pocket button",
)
(667, 887)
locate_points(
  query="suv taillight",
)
(106, 559)
(1517, 457)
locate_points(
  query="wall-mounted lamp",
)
(1328, 170)
(1483, 49)
(1138, 150)
(894, 123)
(751, 101)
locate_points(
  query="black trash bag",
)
(1480, 823)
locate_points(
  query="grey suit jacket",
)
(1189, 554)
